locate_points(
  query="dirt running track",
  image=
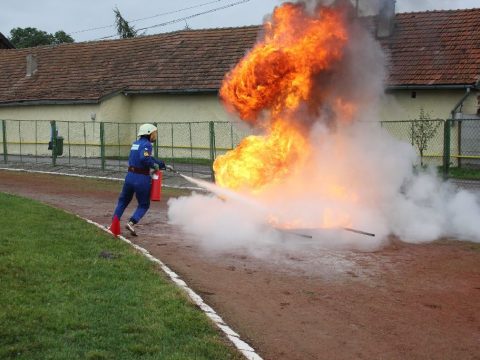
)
(403, 302)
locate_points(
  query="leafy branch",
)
(423, 130)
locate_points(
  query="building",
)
(5, 43)
(170, 77)
(434, 64)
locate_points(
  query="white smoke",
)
(372, 7)
(424, 5)
(383, 195)
(358, 177)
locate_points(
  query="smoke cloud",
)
(371, 7)
(358, 176)
(424, 5)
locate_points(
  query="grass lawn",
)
(464, 173)
(70, 291)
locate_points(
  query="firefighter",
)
(137, 180)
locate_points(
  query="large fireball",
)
(272, 85)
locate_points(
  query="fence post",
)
(20, 139)
(412, 132)
(69, 144)
(459, 144)
(36, 141)
(85, 143)
(4, 134)
(155, 144)
(53, 126)
(446, 148)
(172, 143)
(191, 146)
(212, 147)
(102, 144)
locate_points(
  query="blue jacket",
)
(141, 155)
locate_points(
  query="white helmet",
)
(146, 129)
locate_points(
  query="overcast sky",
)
(73, 16)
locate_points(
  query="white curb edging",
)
(95, 177)
(241, 345)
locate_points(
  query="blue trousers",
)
(139, 185)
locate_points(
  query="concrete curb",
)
(96, 177)
(239, 344)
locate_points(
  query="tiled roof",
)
(192, 60)
(426, 48)
(435, 48)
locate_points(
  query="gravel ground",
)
(113, 169)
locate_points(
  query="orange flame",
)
(279, 73)
(271, 85)
(262, 160)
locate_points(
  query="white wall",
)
(75, 120)
(177, 108)
(399, 104)
(49, 112)
(438, 104)
(75, 124)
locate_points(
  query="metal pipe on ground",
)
(289, 231)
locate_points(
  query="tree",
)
(30, 37)
(423, 130)
(124, 29)
(61, 37)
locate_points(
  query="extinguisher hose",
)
(188, 178)
(205, 186)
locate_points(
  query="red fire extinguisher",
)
(156, 189)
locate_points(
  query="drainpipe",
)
(465, 96)
(460, 103)
(459, 132)
(452, 116)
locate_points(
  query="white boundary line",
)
(95, 177)
(241, 345)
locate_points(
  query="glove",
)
(156, 167)
(162, 166)
(169, 167)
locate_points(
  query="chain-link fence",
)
(191, 147)
(426, 137)
(453, 146)
(462, 151)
